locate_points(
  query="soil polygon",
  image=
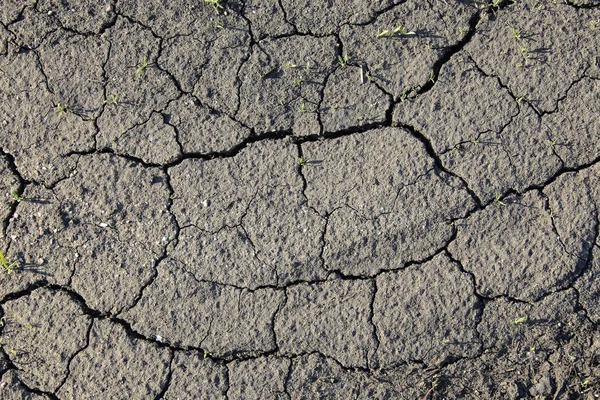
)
(332, 318)
(375, 202)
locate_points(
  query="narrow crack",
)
(169, 378)
(375, 334)
(438, 162)
(85, 346)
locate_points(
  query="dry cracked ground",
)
(299, 199)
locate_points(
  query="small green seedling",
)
(298, 81)
(206, 353)
(290, 65)
(520, 320)
(398, 30)
(516, 33)
(302, 161)
(519, 100)
(142, 66)
(462, 30)
(585, 382)
(112, 100)
(59, 109)
(432, 77)
(302, 107)
(498, 201)
(216, 25)
(16, 197)
(215, 3)
(7, 266)
(343, 60)
(369, 76)
(524, 54)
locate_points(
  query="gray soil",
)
(298, 199)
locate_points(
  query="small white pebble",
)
(103, 224)
(40, 260)
(159, 338)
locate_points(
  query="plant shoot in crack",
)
(112, 100)
(498, 201)
(343, 60)
(59, 109)
(16, 197)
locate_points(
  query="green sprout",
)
(398, 30)
(516, 33)
(370, 76)
(519, 320)
(298, 81)
(290, 65)
(302, 107)
(7, 266)
(59, 109)
(142, 66)
(498, 201)
(112, 100)
(16, 197)
(302, 161)
(215, 3)
(343, 60)
(216, 25)
(525, 54)
(432, 77)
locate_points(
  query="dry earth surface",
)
(299, 199)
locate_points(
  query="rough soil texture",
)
(299, 199)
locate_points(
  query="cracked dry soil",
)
(298, 199)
